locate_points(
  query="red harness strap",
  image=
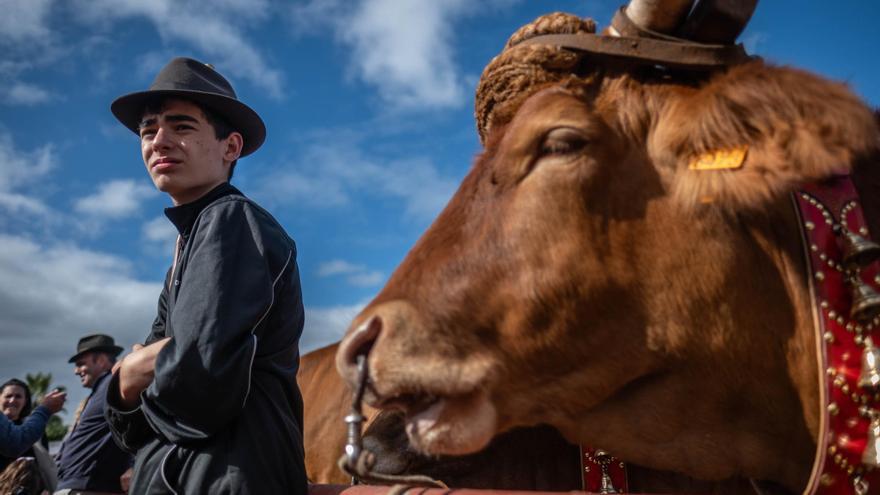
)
(827, 210)
(601, 472)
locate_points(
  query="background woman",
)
(16, 404)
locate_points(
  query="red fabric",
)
(822, 206)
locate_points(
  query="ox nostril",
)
(358, 342)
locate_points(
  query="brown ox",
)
(583, 276)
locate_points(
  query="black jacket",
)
(89, 459)
(224, 413)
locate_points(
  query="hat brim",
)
(129, 108)
(115, 350)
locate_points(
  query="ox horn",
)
(661, 16)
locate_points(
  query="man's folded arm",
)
(128, 424)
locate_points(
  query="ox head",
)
(587, 275)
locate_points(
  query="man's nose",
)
(162, 140)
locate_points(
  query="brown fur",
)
(325, 402)
(583, 277)
(535, 458)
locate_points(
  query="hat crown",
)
(98, 342)
(192, 80)
(188, 74)
(95, 340)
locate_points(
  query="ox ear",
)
(756, 132)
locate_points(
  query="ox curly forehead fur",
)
(794, 126)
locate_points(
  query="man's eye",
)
(563, 141)
(147, 133)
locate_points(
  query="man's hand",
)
(125, 479)
(54, 401)
(136, 372)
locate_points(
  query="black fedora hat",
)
(96, 343)
(199, 82)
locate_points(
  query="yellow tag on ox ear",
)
(723, 159)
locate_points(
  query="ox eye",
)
(563, 141)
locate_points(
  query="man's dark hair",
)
(110, 357)
(222, 128)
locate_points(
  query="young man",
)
(89, 460)
(211, 403)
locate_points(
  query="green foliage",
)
(55, 429)
(40, 383)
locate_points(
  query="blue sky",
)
(369, 110)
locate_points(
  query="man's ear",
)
(234, 144)
(756, 132)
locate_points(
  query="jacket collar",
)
(184, 216)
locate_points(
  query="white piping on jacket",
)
(254, 328)
(162, 469)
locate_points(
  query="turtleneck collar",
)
(183, 216)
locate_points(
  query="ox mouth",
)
(446, 425)
(409, 403)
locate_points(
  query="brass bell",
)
(871, 456)
(859, 251)
(604, 460)
(865, 300)
(869, 377)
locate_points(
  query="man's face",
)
(90, 366)
(182, 154)
(12, 401)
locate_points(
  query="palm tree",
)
(39, 384)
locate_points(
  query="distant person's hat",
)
(96, 343)
(193, 80)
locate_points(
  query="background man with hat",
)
(89, 461)
(211, 404)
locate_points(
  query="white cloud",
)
(332, 176)
(21, 93)
(159, 229)
(50, 295)
(159, 236)
(402, 48)
(217, 31)
(337, 267)
(754, 41)
(20, 203)
(24, 21)
(366, 279)
(357, 275)
(115, 199)
(325, 325)
(19, 167)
